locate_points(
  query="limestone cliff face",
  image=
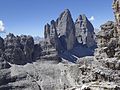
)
(66, 29)
(69, 34)
(84, 31)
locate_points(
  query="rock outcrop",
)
(66, 37)
(13, 50)
(19, 49)
(70, 33)
(37, 52)
(47, 33)
(27, 43)
(66, 30)
(116, 6)
(1, 46)
(86, 73)
(108, 42)
(106, 33)
(108, 46)
(3, 63)
(84, 31)
(63, 29)
(52, 45)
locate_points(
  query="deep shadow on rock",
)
(77, 52)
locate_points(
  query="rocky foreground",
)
(86, 74)
(68, 58)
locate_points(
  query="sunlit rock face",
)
(106, 33)
(70, 38)
(70, 33)
(84, 31)
(66, 29)
(63, 28)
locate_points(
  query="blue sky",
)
(30, 16)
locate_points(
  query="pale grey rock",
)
(19, 49)
(84, 31)
(62, 35)
(52, 45)
(66, 30)
(87, 72)
(106, 33)
(4, 76)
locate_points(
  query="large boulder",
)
(84, 31)
(106, 33)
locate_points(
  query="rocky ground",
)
(85, 73)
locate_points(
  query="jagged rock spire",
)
(66, 29)
(84, 31)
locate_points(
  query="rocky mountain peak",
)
(65, 13)
(69, 33)
(65, 23)
(84, 31)
(64, 28)
(64, 35)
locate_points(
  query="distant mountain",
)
(37, 39)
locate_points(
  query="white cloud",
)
(92, 18)
(2, 28)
